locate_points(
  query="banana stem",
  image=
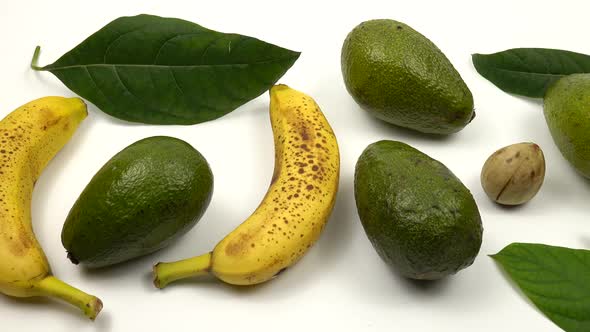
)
(165, 273)
(35, 59)
(51, 286)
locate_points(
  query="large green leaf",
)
(529, 71)
(555, 279)
(159, 70)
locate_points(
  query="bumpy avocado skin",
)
(567, 112)
(141, 200)
(401, 77)
(419, 217)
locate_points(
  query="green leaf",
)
(160, 70)
(555, 279)
(529, 71)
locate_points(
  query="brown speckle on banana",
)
(293, 212)
(29, 138)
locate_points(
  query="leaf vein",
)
(567, 299)
(106, 51)
(171, 39)
(176, 81)
(97, 86)
(527, 73)
(208, 46)
(168, 66)
(155, 110)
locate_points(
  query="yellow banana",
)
(29, 138)
(295, 209)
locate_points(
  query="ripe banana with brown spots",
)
(29, 138)
(295, 209)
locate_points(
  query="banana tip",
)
(157, 282)
(278, 87)
(93, 308)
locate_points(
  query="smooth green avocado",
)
(567, 112)
(419, 217)
(147, 195)
(401, 77)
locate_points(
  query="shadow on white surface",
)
(423, 287)
(561, 187)
(103, 117)
(258, 106)
(404, 134)
(427, 287)
(516, 291)
(529, 100)
(204, 285)
(338, 234)
(104, 322)
(45, 78)
(56, 308)
(139, 268)
(334, 242)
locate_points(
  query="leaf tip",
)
(475, 58)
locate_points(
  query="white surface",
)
(341, 285)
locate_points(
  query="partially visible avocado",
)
(140, 201)
(401, 77)
(419, 217)
(567, 112)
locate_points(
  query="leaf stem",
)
(35, 59)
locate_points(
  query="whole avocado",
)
(419, 217)
(567, 108)
(144, 197)
(401, 77)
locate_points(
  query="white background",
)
(341, 284)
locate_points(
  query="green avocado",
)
(419, 217)
(567, 112)
(141, 200)
(401, 77)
